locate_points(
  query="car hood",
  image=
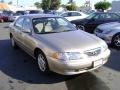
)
(109, 26)
(70, 41)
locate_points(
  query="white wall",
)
(115, 6)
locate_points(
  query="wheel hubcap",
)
(117, 41)
(41, 63)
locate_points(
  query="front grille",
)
(93, 52)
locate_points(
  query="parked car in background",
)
(3, 17)
(73, 15)
(8, 14)
(89, 12)
(118, 13)
(33, 12)
(91, 22)
(57, 45)
(15, 15)
(110, 32)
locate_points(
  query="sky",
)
(31, 2)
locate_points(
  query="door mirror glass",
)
(27, 30)
(74, 25)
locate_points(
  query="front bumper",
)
(78, 66)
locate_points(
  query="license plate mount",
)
(97, 63)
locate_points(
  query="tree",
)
(50, 4)
(2, 1)
(37, 4)
(102, 5)
(71, 7)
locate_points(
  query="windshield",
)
(91, 16)
(52, 25)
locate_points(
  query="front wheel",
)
(42, 62)
(116, 41)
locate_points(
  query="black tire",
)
(13, 43)
(42, 62)
(116, 41)
(1, 20)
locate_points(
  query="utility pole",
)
(49, 4)
(17, 2)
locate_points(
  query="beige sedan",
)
(57, 45)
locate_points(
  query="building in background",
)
(115, 6)
(4, 6)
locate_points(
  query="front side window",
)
(52, 25)
(112, 16)
(26, 24)
(91, 16)
(100, 17)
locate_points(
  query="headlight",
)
(104, 47)
(67, 56)
(107, 32)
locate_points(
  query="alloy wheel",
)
(41, 62)
(116, 40)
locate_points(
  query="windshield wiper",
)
(65, 30)
(47, 32)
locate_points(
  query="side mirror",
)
(74, 25)
(26, 30)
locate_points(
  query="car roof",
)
(104, 13)
(72, 11)
(33, 16)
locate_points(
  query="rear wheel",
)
(13, 43)
(116, 41)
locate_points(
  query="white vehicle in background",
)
(73, 15)
(110, 32)
(16, 15)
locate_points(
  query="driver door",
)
(27, 36)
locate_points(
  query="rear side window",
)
(65, 15)
(75, 14)
(19, 23)
(112, 16)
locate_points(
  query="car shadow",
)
(18, 65)
(86, 81)
(114, 59)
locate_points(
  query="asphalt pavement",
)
(18, 71)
